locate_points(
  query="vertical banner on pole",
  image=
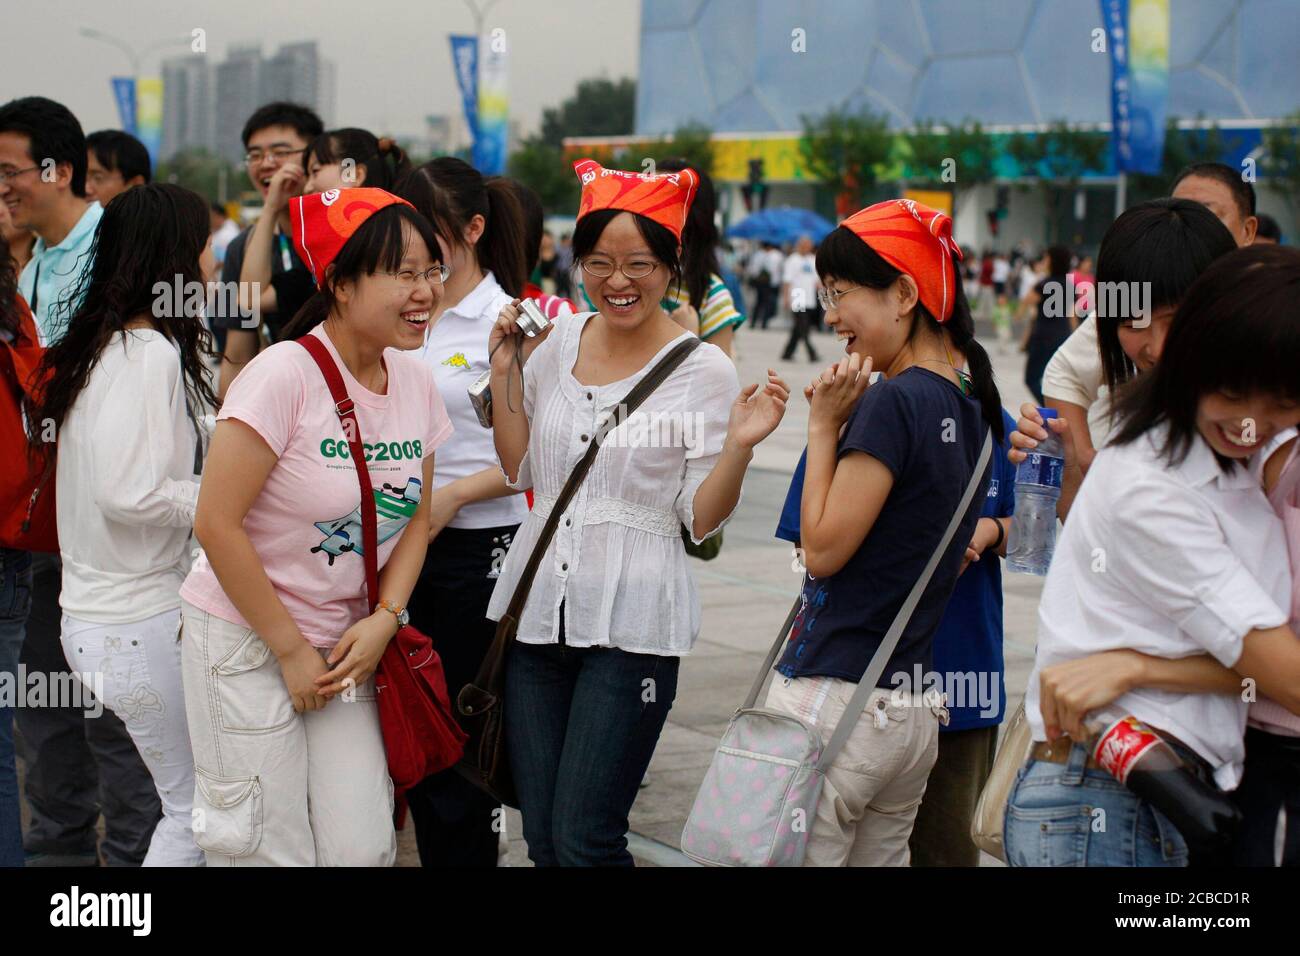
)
(1138, 32)
(124, 96)
(1114, 14)
(493, 108)
(464, 60)
(1148, 66)
(148, 115)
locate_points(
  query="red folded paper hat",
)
(323, 222)
(664, 197)
(915, 239)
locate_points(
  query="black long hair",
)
(383, 158)
(451, 192)
(1163, 246)
(843, 255)
(377, 245)
(699, 237)
(1236, 331)
(149, 239)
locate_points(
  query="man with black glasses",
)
(275, 138)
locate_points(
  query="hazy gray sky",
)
(392, 56)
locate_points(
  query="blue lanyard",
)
(286, 255)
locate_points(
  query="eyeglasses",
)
(603, 268)
(5, 177)
(279, 153)
(830, 298)
(435, 276)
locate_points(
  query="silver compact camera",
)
(480, 396)
(531, 322)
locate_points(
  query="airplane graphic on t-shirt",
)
(394, 507)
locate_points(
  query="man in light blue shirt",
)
(78, 766)
(43, 181)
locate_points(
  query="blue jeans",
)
(1067, 815)
(15, 604)
(581, 727)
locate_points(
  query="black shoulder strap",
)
(653, 379)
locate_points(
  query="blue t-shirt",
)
(928, 434)
(967, 652)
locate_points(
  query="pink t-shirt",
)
(306, 522)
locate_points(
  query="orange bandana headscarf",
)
(324, 222)
(917, 240)
(665, 198)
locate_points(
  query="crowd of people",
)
(182, 529)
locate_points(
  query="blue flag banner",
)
(124, 95)
(1138, 42)
(493, 111)
(464, 60)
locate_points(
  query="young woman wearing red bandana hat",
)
(886, 468)
(275, 608)
(593, 672)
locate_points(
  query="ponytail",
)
(961, 326)
(450, 193)
(394, 159)
(500, 248)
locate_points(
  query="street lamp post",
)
(479, 14)
(129, 51)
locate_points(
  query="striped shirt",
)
(718, 312)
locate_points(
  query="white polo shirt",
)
(1073, 374)
(456, 348)
(1171, 562)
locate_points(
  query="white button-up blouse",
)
(616, 561)
(1171, 562)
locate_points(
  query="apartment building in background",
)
(205, 105)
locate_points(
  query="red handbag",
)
(421, 736)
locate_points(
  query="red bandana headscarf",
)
(666, 198)
(324, 222)
(917, 240)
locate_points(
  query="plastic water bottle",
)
(1038, 486)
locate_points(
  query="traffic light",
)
(755, 191)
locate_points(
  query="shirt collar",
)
(77, 237)
(478, 298)
(1201, 467)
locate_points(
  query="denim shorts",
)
(1066, 815)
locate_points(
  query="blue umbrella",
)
(781, 224)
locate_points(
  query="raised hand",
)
(757, 411)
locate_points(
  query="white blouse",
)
(616, 561)
(1171, 562)
(127, 483)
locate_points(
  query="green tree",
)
(962, 155)
(599, 107)
(544, 169)
(693, 143)
(201, 171)
(844, 150)
(1057, 158)
(1281, 161)
(1182, 147)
